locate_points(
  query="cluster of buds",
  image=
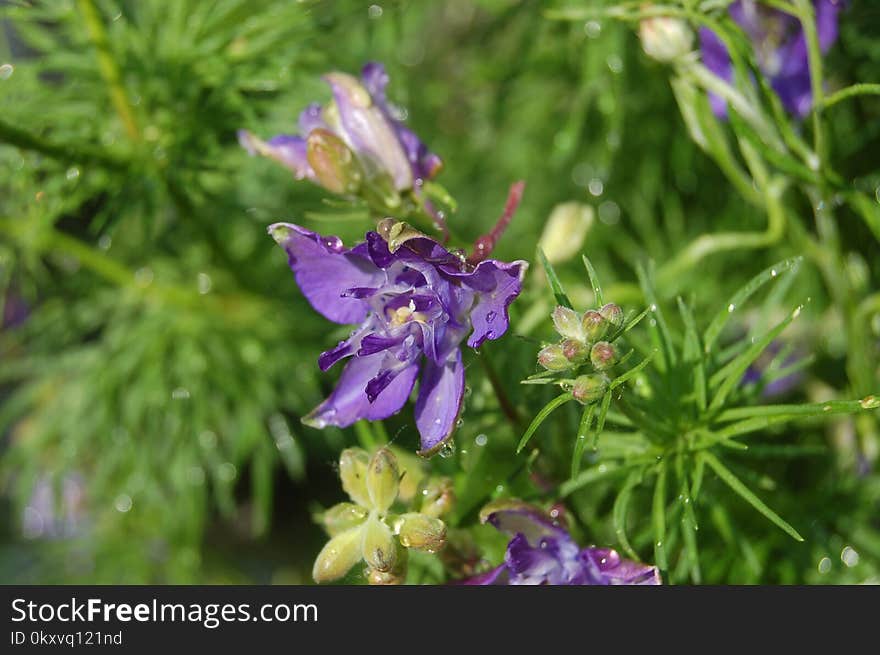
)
(585, 339)
(356, 145)
(367, 529)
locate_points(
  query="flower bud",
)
(589, 388)
(422, 532)
(383, 480)
(553, 358)
(665, 39)
(567, 323)
(341, 517)
(333, 163)
(603, 355)
(338, 556)
(395, 576)
(613, 314)
(438, 498)
(353, 464)
(565, 231)
(575, 351)
(594, 325)
(378, 545)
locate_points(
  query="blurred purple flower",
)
(542, 552)
(780, 50)
(757, 373)
(357, 137)
(15, 311)
(412, 298)
(49, 515)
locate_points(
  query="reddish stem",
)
(483, 245)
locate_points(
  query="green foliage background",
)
(168, 355)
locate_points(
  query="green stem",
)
(109, 70)
(849, 92)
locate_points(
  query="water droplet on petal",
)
(490, 316)
(447, 450)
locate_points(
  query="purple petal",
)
(827, 12)
(289, 151)
(425, 164)
(514, 517)
(497, 284)
(324, 269)
(440, 394)
(311, 118)
(610, 568)
(492, 576)
(367, 130)
(349, 403)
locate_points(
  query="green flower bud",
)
(553, 358)
(383, 480)
(589, 388)
(603, 355)
(565, 231)
(422, 532)
(665, 39)
(353, 463)
(594, 325)
(575, 351)
(338, 556)
(335, 167)
(438, 497)
(567, 323)
(613, 314)
(378, 546)
(341, 517)
(395, 576)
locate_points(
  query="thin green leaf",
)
(658, 518)
(621, 506)
(631, 373)
(731, 375)
(659, 329)
(594, 281)
(693, 354)
(736, 485)
(580, 442)
(539, 418)
(743, 294)
(552, 278)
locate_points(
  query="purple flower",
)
(780, 49)
(358, 137)
(414, 302)
(542, 552)
(757, 373)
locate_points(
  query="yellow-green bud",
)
(353, 463)
(338, 555)
(567, 323)
(383, 480)
(603, 355)
(341, 517)
(395, 576)
(594, 325)
(553, 358)
(335, 167)
(422, 532)
(565, 231)
(665, 39)
(575, 351)
(378, 545)
(613, 314)
(438, 497)
(589, 388)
